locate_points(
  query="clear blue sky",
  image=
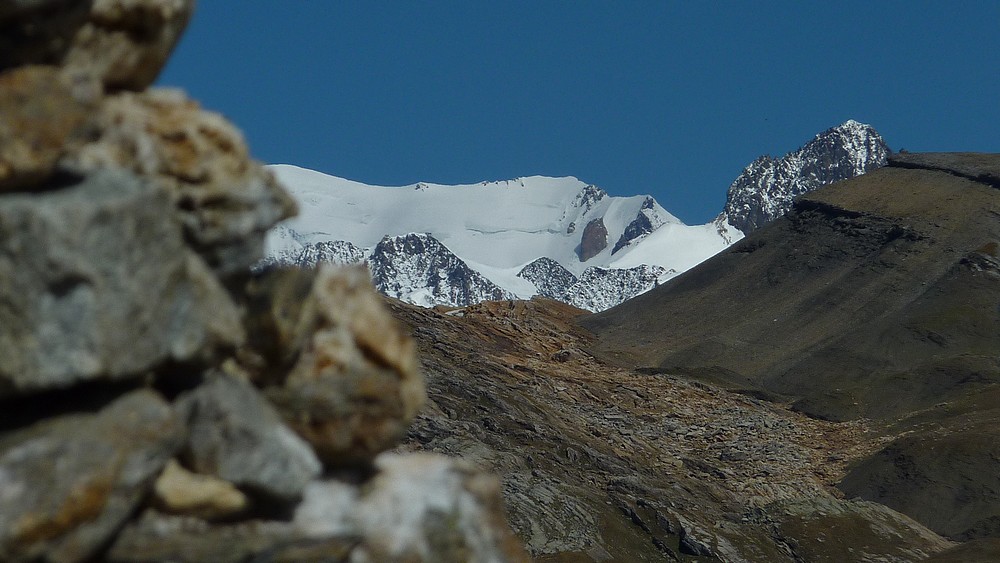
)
(667, 98)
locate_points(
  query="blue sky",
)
(667, 98)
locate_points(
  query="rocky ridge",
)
(765, 189)
(160, 401)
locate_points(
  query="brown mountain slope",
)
(601, 463)
(879, 298)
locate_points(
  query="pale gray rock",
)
(225, 200)
(237, 436)
(68, 483)
(96, 283)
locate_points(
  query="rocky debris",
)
(766, 188)
(68, 483)
(551, 279)
(138, 352)
(224, 199)
(593, 240)
(419, 269)
(97, 283)
(179, 491)
(267, 459)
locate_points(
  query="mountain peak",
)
(765, 189)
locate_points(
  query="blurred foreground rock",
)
(159, 401)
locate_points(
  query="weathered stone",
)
(178, 491)
(225, 200)
(418, 507)
(355, 386)
(39, 31)
(127, 42)
(43, 110)
(236, 435)
(96, 283)
(68, 484)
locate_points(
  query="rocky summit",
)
(161, 402)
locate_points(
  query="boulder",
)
(352, 385)
(43, 110)
(67, 484)
(225, 200)
(237, 436)
(96, 283)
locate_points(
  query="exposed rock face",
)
(593, 240)
(419, 269)
(602, 288)
(765, 189)
(336, 252)
(97, 283)
(645, 222)
(138, 351)
(549, 277)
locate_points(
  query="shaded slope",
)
(884, 276)
(878, 297)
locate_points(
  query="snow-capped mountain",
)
(765, 189)
(418, 269)
(455, 245)
(561, 238)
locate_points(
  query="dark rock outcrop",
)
(419, 268)
(765, 189)
(593, 240)
(551, 279)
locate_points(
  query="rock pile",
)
(157, 400)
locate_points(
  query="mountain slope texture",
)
(872, 298)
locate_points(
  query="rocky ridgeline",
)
(159, 401)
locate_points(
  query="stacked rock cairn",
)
(158, 401)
